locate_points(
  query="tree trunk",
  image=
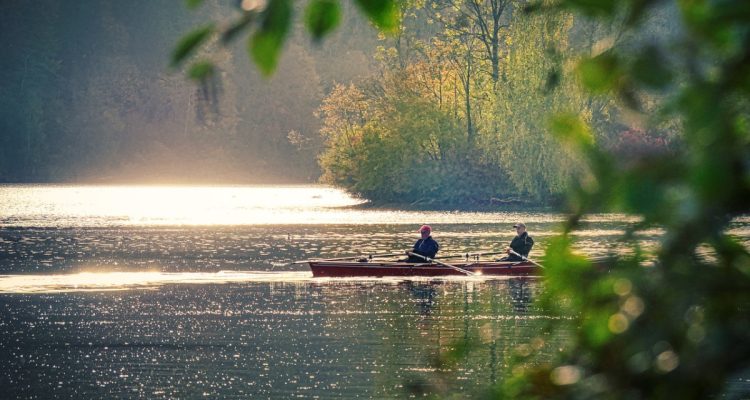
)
(467, 98)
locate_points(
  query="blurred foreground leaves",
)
(674, 324)
(666, 324)
(266, 24)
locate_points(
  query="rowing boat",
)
(340, 269)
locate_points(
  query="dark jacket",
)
(522, 245)
(426, 247)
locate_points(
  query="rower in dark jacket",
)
(426, 246)
(521, 244)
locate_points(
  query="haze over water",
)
(181, 291)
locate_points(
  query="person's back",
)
(426, 246)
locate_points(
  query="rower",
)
(426, 245)
(521, 244)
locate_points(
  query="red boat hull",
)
(341, 269)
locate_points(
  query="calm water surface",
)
(187, 292)
(367, 339)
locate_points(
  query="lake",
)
(188, 292)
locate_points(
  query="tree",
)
(393, 142)
(538, 46)
(482, 20)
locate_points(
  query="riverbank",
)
(491, 205)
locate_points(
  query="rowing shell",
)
(341, 269)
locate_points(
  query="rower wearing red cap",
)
(426, 245)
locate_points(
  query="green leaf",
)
(189, 43)
(600, 74)
(321, 17)
(570, 129)
(383, 13)
(454, 355)
(533, 7)
(595, 328)
(193, 3)
(641, 193)
(265, 45)
(650, 68)
(637, 9)
(201, 70)
(697, 14)
(594, 7)
(264, 49)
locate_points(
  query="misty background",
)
(86, 95)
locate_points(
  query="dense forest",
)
(458, 109)
(87, 95)
(450, 108)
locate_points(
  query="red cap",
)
(425, 228)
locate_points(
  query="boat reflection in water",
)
(521, 295)
(424, 295)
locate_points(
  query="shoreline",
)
(506, 206)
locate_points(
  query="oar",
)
(347, 258)
(453, 256)
(385, 255)
(526, 259)
(274, 265)
(428, 259)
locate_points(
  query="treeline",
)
(458, 109)
(86, 95)
(453, 109)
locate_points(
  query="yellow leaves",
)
(344, 110)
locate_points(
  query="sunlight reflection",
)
(86, 281)
(171, 205)
(109, 281)
(107, 206)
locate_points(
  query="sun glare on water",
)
(108, 281)
(172, 205)
(154, 205)
(140, 280)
